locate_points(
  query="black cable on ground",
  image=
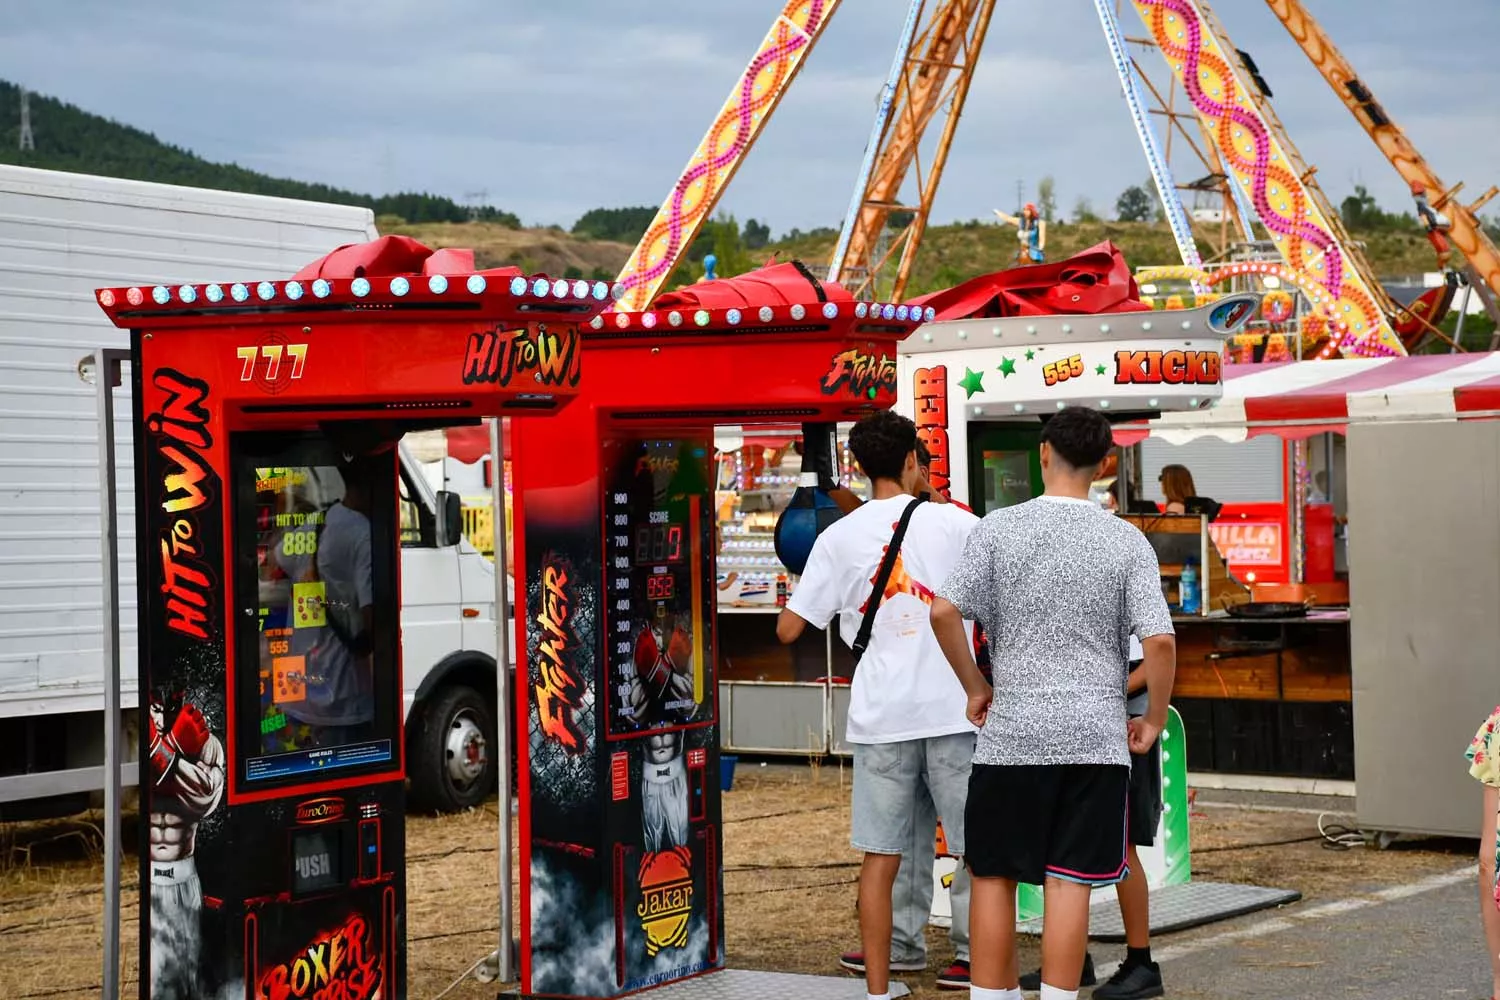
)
(793, 888)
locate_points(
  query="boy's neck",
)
(884, 489)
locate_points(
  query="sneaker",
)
(854, 961)
(1140, 981)
(954, 977)
(1032, 981)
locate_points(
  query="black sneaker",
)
(1138, 981)
(1032, 981)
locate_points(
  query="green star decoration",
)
(1030, 354)
(1099, 370)
(972, 381)
(1007, 367)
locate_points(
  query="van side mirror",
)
(450, 518)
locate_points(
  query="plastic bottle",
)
(1190, 595)
(781, 590)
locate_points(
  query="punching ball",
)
(812, 507)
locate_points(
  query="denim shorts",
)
(891, 778)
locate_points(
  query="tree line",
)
(70, 139)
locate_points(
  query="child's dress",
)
(1484, 764)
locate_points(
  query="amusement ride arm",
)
(1465, 230)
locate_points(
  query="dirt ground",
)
(789, 879)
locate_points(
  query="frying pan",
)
(1269, 609)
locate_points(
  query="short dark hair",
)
(1079, 436)
(924, 457)
(881, 442)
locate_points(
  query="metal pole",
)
(504, 722)
(1458, 326)
(106, 376)
(872, 145)
(1161, 171)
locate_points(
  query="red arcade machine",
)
(620, 823)
(266, 419)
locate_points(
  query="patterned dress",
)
(1484, 764)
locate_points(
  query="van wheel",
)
(452, 766)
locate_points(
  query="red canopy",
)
(1097, 280)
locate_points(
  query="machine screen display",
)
(321, 666)
(659, 521)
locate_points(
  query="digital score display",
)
(658, 507)
(658, 543)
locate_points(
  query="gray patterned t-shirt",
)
(1059, 585)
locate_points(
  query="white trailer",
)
(61, 237)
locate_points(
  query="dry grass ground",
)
(790, 884)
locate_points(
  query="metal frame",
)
(103, 369)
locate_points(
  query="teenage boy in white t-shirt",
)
(906, 712)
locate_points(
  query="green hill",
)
(68, 138)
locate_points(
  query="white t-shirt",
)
(904, 688)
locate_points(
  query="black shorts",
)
(1031, 822)
(1145, 795)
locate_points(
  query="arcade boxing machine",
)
(266, 419)
(620, 826)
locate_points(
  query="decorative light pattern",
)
(160, 295)
(437, 284)
(322, 289)
(733, 316)
(265, 291)
(400, 286)
(294, 290)
(476, 284)
(360, 287)
(239, 292)
(830, 310)
(187, 294)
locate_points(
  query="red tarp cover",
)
(1097, 280)
(779, 284)
(392, 255)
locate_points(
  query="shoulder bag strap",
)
(866, 627)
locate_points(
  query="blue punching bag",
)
(811, 509)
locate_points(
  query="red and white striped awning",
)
(1299, 399)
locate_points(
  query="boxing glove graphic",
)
(190, 731)
(162, 749)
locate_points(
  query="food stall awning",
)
(1298, 399)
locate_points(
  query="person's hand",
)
(979, 706)
(1142, 734)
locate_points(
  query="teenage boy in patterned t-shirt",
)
(1059, 585)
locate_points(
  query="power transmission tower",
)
(27, 142)
(476, 200)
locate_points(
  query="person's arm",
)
(958, 600)
(948, 625)
(1135, 683)
(815, 600)
(1150, 620)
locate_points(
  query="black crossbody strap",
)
(887, 564)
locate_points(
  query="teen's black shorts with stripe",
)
(1145, 795)
(1029, 822)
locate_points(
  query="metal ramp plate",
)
(745, 984)
(1179, 907)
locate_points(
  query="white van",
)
(61, 237)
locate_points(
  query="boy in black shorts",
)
(1059, 585)
(1138, 977)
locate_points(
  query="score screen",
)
(658, 543)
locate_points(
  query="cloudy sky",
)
(554, 108)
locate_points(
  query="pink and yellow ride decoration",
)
(1264, 167)
(735, 129)
(1331, 328)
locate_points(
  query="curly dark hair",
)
(1079, 436)
(924, 457)
(881, 442)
